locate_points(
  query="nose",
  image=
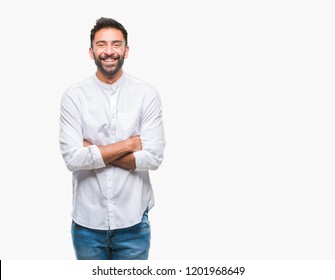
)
(109, 49)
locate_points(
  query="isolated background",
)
(248, 99)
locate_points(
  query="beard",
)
(110, 70)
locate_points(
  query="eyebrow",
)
(113, 42)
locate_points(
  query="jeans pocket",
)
(144, 224)
(75, 226)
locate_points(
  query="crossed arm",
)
(140, 153)
(121, 153)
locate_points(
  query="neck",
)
(109, 80)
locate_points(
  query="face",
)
(109, 52)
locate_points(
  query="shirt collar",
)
(112, 87)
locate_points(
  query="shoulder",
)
(75, 93)
(140, 86)
(78, 90)
(81, 86)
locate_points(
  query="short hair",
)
(108, 23)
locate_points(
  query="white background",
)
(248, 99)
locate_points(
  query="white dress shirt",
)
(110, 197)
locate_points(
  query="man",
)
(111, 135)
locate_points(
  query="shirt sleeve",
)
(152, 134)
(76, 156)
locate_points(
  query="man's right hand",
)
(119, 149)
(135, 143)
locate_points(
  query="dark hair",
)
(108, 23)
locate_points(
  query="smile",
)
(109, 60)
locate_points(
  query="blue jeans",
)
(130, 243)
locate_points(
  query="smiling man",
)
(109, 55)
(111, 135)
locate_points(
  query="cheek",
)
(96, 53)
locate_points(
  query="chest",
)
(111, 118)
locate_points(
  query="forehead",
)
(108, 34)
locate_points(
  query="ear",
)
(126, 52)
(91, 52)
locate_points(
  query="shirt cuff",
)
(98, 162)
(139, 161)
